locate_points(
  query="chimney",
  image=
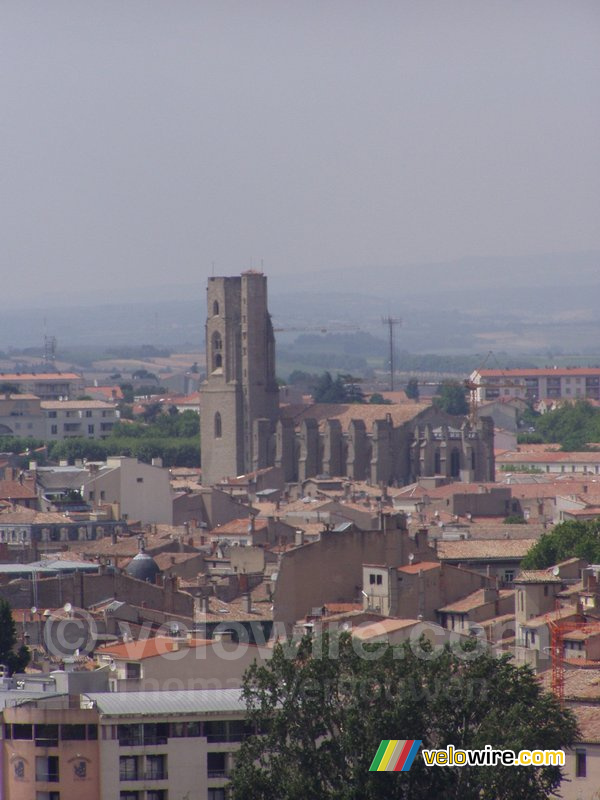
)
(157, 462)
(113, 537)
(490, 594)
(246, 603)
(299, 538)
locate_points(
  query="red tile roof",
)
(147, 648)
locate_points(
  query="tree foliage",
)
(572, 539)
(323, 709)
(572, 426)
(451, 398)
(412, 389)
(14, 660)
(330, 390)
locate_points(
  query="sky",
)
(155, 143)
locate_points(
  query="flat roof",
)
(126, 704)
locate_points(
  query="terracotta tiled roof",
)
(588, 719)
(29, 516)
(549, 457)
(147, 648)
(239, 527)
(15, 490)
(345, 413)
(382, 627)
(473, 601)
(476, 549)
(45, 376)
(538, 372)
(537, 576)
(56, 405)
(414, 569)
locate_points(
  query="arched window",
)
(218, 426)
(216, 308)
(217, 347)
(437, 468)
(473, 459)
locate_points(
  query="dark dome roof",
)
(143, 567)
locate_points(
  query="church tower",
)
(240, 386)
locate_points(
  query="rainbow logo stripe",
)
(395, 755)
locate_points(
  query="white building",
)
(92, 419)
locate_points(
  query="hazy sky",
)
(142, 141)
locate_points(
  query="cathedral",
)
(243, 428)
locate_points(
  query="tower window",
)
(217, 347)
(216, 308)
(218, 426)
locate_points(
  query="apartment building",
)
(46, 385)
(92, 419)
(535, 384)
(125, 746)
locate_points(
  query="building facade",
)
(535, 384)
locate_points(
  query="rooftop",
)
(479, 549)
(127, 704)
(474, 600)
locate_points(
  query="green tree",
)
(328, 390)
(15, 661)
(515, 519)
(572, 539)
(412, 389)
(323, 709)
(379, 400)
(451, 398)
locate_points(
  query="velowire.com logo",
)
(395, 755)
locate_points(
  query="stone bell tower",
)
(240, 387)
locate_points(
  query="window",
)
(22, 731)
(580, 764)
(509, 575)
(217, 347)
(46, 735)
(133, 671)
(215, 731)
(102, 494)
(47, 796)
(156, 732)
(52, 414)
(218, 426)
(130, 796)
(379, 580)
(215, 765)
(140, 480)
(88, 413)
(129, 734)
(54, 429)
(371, 579)
(216, 794)
(128, 768)
(90, 428)
(156, 768)
(46, 769)
(156, 794)
(216, 308)
(72, 733)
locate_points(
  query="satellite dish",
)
(68, 607)
(556, 571)
(34, 609)
(411, 558)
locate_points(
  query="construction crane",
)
(473, 387)
(558, 629)
(317, 329)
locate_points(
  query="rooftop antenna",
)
(391, 322)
